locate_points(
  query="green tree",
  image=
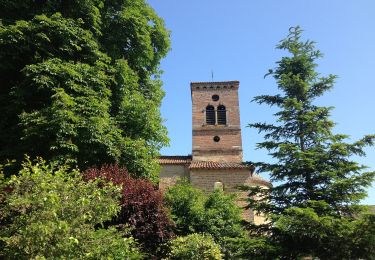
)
(80, 82)
(194, 247)
(215, 214)
(187, 207)
(142, 208)
(50, 213)
(222, 216)
(314, 203)
(241, 248)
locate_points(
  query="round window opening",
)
(215, 97)
(216, 138)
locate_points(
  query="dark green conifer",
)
(313, 206)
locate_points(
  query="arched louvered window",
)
(221, 115)
(210, 115)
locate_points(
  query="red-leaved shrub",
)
(141, 206)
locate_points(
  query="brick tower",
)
(216, 122)
(216, 160)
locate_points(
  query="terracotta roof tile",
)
(209, 165)
(219, 165)
(177, 159)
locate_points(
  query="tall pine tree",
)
(313, 207)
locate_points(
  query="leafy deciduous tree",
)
(193, 212)
(51, 213)
(194, 247)
(187, 207)
(80, 82)
(142, 207)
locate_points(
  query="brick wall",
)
(217, 157)
(205, 180)
(201, 97)
(169, 174)
(204, 146)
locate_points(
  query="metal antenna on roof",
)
(212, 75)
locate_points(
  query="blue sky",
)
(236, 40)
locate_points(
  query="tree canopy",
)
(314, 203)
(194, 247)
(50, 213)
(193, 211)
(80, 82)
(142, 208)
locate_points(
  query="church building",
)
(216, 158)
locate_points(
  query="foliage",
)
(364, 236)
(222, 216)
(249, 248)
(187, 207)
(336, 238)
(81, 82)
(193, 212)
(313, 206)
(142, 206)
(51, 213)
(194, 247)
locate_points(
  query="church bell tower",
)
(216, 122)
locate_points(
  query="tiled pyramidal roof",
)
(210, 165)
(218, 165)
(175, 159)
(187, 160)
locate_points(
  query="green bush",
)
(343, 238)
(142, 207)
(187, 207)
(222, 216)
(194, 247)
(51, 213)
(193, 212)
(248, 248)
